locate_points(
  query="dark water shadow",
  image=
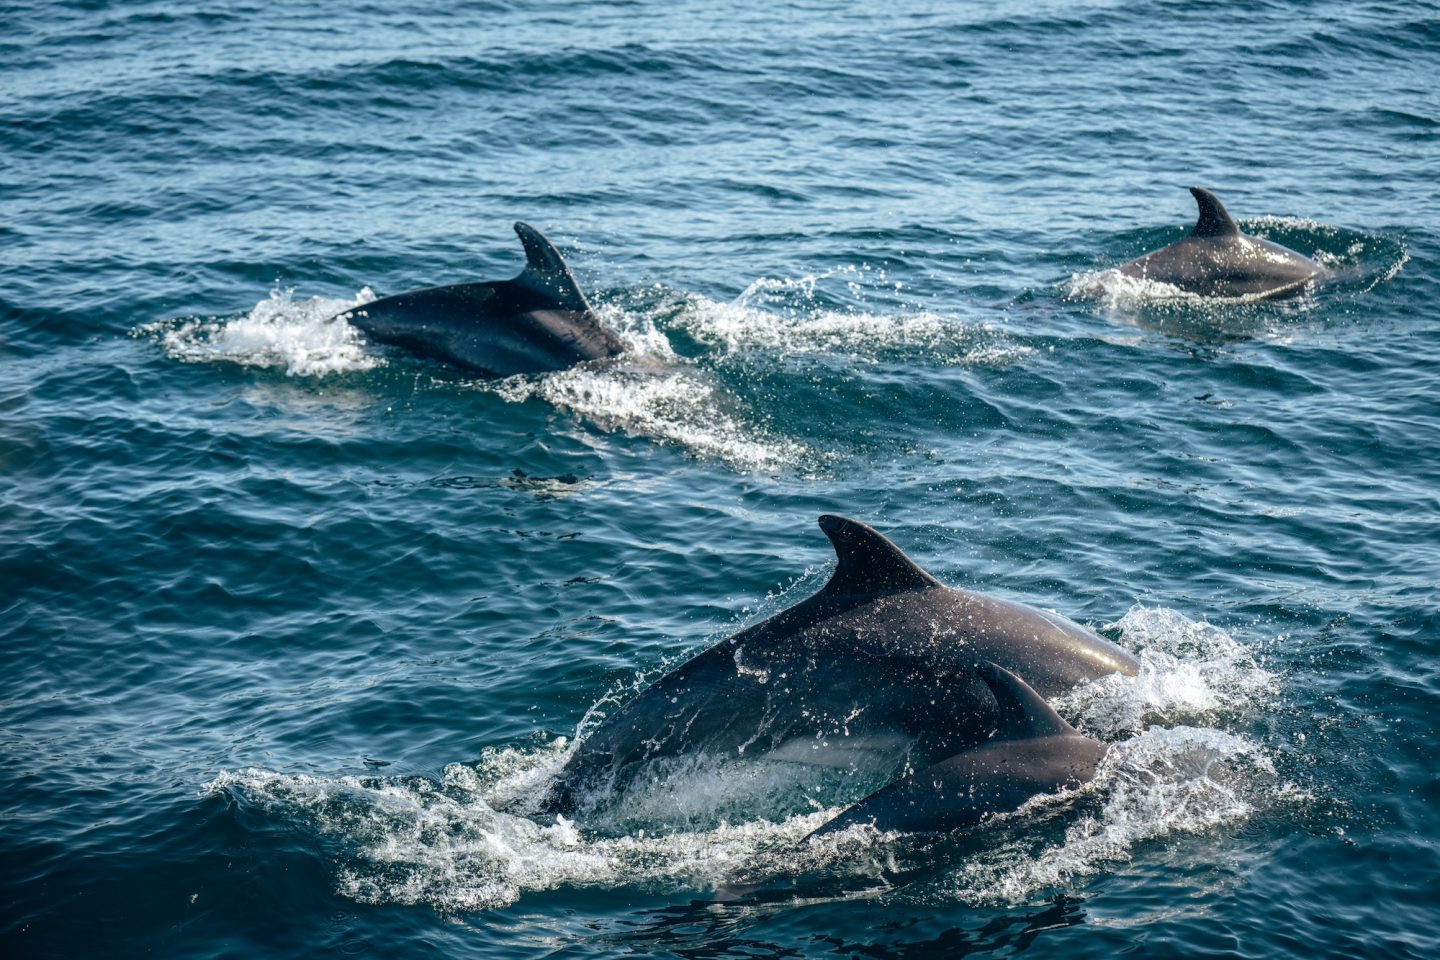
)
(706, 928)
(902, 907)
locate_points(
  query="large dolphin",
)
(1218, 260)
(538, 321)
(1033, 751)
(876, 670)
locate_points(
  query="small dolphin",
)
(538, 321)
(875, 670)
(1217, 260)
(1033, 751)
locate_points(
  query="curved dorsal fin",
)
(1024, 714)
(868, 563)
(545, 270)
(1214, 221)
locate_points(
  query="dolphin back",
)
(881, 663)
(1218, 259)
(534, 322)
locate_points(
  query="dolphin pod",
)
(884, 668)
(1218, 260)
(538, 321)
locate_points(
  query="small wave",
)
(1386, 271)
(669, 405)
(416, 841)
(781, 316)
(296, 335)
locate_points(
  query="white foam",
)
(742, 326)
(650, 392)
(679, 406)
(449, 845)
(462, 843)
(1164, 782)
(1190, 672)
(414, 841)
(299, 336)
(642, 338)
(1119, 291)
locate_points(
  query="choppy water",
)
(292, 625)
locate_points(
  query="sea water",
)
(297, 627)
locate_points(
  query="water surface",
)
(293, 624)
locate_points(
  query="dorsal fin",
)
(545, 270)
(1214, 221)
(868, 563)
(1024, 714)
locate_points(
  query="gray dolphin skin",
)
(1033, 751)
(876, 670)
(1218, 260)
(538, 321)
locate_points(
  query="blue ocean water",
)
(290, 620)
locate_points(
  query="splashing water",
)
(676, 406)
(1184, 780)
(752, 322)
(1189, 671)
(299, 336)
(457, 845)
(414, 841)
(651, 392)
(1115, 290)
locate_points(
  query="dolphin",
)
(873, 672)
(1218, 260)
(1033, 751)
(538, 321)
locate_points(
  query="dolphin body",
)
(1218, 260)
(1033, 751)
(538, 321)
(875, 671)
